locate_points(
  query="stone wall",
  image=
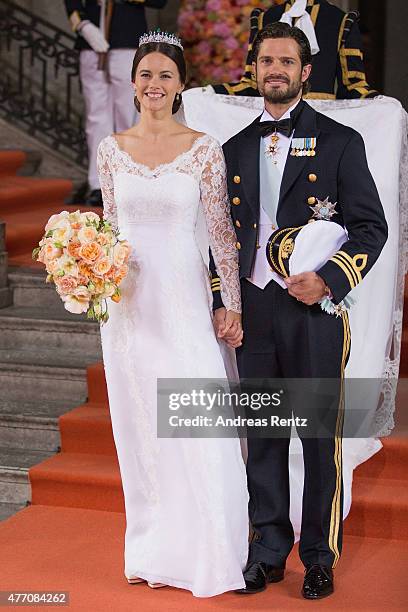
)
(5, 295)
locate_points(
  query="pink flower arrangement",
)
(215, 36)
(85, 260)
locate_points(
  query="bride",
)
(185, 499)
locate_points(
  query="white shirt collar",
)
(268, 117)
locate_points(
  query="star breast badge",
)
(324, 209)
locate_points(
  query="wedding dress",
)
(185, 499)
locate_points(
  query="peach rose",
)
(82, 280)
(103, 239)
(66, 284)
(121, 252)
(73, 249)
(116, 297)
(51, 252)
(52, 266)
(98, 285)
(102, 266)
(120, 274)
(90, 252)
(84, 269)
(86, 234)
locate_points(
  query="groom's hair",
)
(284, 30)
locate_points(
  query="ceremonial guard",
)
(289, 170)
(335, 40)
(108, 34)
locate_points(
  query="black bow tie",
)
(284, 127)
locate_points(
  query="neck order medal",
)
(273, 147)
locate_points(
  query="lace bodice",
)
(203, 163)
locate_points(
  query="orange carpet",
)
(81, 551)
(71, 537)
(26, 204)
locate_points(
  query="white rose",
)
(56, 220)
(90, 216)
(62, 233)
(67, 265)
(75, 217)
(78, 301)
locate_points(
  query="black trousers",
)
(285, 338)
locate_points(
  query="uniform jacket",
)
(127, 25)
(338, 68)
(338, 171)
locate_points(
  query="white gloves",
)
(93, 37)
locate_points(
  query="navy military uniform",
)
(127, 25)
(285, 338)
(338, 69)
(105, 61)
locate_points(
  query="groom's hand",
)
(307, 287)
(227, 325)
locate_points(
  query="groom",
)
(281, 169)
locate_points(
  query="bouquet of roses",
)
(85, 259)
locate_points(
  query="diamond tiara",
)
(160, 37)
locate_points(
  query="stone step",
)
(31, 425)
(25, 328)
(15, 487)
(21, 381)
(30, 289)
(7, 510)
(11, 161)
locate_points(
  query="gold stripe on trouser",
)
(336, 513)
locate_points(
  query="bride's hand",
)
(230, 330)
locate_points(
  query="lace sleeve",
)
(106, 182)
(221, 234)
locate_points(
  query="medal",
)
(273, 148)
(301, 147)
(324, 209)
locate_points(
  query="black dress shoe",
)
(257, 575)
(318, 582)
(94, 198)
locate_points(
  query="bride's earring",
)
(178, 97)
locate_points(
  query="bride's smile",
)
(157, 82)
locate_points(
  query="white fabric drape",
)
(376, 317)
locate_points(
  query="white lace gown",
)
(185, 499)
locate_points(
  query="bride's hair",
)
(174, 53)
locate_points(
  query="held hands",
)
(94, 37)
(307, 287)
(227, 325)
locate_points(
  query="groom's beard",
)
(282, 95)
